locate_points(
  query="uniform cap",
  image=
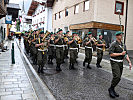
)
(51, 33)
(118, 33)
(42, 32)
(89, 33)
(67, 31)
(74, 33)
(60, 30)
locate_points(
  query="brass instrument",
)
(66, 39)
(78, 39)
(42, 47)
(94, 40)
(104, 46)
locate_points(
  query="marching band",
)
(42, 45)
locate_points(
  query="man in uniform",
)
(59, 41)
(27, 42)
(33, 48)
(100, 48)
(42, 52)
(117, 53)
(66, 37)
(51, 48)
(88, 42)
(73, 50)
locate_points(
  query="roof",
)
(32, 8)
(13, 5)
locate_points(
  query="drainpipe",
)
(126, 21)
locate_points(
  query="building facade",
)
(3, 12)
(96, 16)
(41, 16)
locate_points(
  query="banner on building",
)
(8, 19)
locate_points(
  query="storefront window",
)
(108, 35)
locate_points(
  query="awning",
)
(98, 25)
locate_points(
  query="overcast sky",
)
(20, 2)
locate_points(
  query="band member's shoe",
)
(98, 66)
(88, 66)
(42, 70)
(84, 63)
(38, 69)
(58, 68)
(111, 92)
(73, 67)
(70, 66)
(116, 94)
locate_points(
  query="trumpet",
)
(78, 39)
(93, 39)
(66, 39)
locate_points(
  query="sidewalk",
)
(14, 81)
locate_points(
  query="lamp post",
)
(119, 11)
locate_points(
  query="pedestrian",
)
(100, 48)
(117, 53)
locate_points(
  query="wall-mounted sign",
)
(8, 19)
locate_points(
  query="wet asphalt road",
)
(82, 83)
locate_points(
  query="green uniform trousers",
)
(73, 55)
(59, 55)
(41, 58)
(117, 69)
(99, 56)
(66, 51)
(88, 55)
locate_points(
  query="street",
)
(82, 83)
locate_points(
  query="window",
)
(66, 12)
(86, 5)
(43, 18)
(76, 9)
(119, 6)
(55, 16)
(60, 15)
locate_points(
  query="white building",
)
(26, 21)
(41, 16)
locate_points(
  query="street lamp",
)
(119, 11)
